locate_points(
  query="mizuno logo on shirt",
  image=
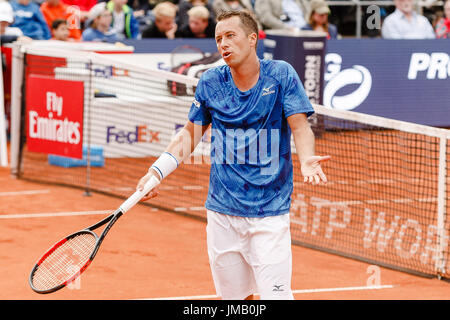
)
(267, 90)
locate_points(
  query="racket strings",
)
(65, 262)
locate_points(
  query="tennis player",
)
(253, 106)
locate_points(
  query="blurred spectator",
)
(9, 34)
(83, 5)
(29, 19)
(140, 7)
(227, 5)
(443, 25)
(238, 5)
(437, 16)
(200, 24)
(144, 7)
(124, 24)
(153, 3)
(79, 10)
(184, 6)
(164, 25)
(55, 9)
(38, 2)
(60, 30)
(99, 22)
(318, 19)
(405, 23)
(281, 14)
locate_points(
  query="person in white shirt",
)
(282, 14)
(405, 23)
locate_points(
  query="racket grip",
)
(137, 196)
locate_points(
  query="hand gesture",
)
(312, 171)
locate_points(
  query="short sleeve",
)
(199, 113)
(295, 98)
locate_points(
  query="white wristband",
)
(165, 165)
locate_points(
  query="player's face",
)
(233, 43)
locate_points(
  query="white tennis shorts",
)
(250, 255)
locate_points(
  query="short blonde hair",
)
(165, 9)
(199, 12)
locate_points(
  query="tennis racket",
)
(69, 257)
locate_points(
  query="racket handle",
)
(137, 196)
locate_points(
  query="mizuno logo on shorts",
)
(196, 103)
(277, 288)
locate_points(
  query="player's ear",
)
(253, 37)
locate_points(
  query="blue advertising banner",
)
(406, 80)
(166, 46)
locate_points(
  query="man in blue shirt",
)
(29, 19)
(253, 107)
(99, 21)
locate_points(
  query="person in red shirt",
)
(55, 9)
(442, 28)
(83, 5)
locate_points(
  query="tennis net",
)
(385, 203)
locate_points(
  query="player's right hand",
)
(154, 192)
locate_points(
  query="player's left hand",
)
(312, 171)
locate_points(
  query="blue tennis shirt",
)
(251, 167)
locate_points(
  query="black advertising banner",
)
(305, 51)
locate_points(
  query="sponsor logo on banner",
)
(378, 231)
(55, 116)
(140, 133)
(434, 66)
(107, 71)
(312, 77)
(337, 79)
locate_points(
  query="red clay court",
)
(385, 201)
(151, 254)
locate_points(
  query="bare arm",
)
(185, 141)
(181, 146)
(304, 144)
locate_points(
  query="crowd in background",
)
(115, 20)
